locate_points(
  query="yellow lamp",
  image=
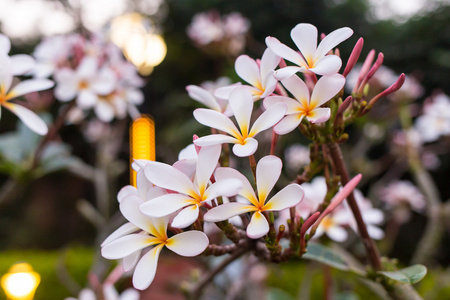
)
(20, 282)
(142, 142)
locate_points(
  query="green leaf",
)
(409, 275)
(278, 294)
(335, 258)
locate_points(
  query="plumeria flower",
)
(29, 118)
(153, 234)
(311, 58)
(86, 83)
(258, 75)
(51, 54)
(268, 171)
(21, 63)
(435, 122)
(305, 105)
(241, 103)
(191, 193)
(208, 99)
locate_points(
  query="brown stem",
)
(371, 249)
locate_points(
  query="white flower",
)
(311, 57)
(191, 193)
(241, 103)
(206, 28)
(20, 63)
(208, 99)
(305, 105)
(435, 122)
(268, 171)
(296, 156)
(51, 54)
(29, 118)
(109, 293)
(403, 192)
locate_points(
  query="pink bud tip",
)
(354, 56)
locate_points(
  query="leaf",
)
(409, 275)
(332, 258)
(278, 294)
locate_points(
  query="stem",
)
(371, 249)
(252, 161)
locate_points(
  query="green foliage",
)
(411, 275)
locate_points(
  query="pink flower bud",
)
(354, 56)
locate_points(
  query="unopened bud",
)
(354, 56)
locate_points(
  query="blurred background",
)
(40, 218)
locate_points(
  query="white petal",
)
(337, 233)
(269, 118)
(248, 148)
(203, 96)
(284, 51)
(268, 171)
(206, 164)
(104, 83)
(104, 111)
(129, 207)
(269, 85)
(190, 243)
(326, 88)
(6, 72)
(125, 191)
(241, 103)
(188, 165)
(5, 44)
(258, 226)
(225, 187)
(168, 177)
(214, 119)
(87, 294)
(146, 269)
(224, 92)
(297, 87)
(31, 85)
(248, 69)
(165, 205)
(66, 88)
(186, 217)
(22, 64)
(87, 67)
(155, 192)
(142, 184)
(130, 294)
(123, 230)
(130, 261)
(288, 123)
(327, 65)
(290, 196)
(292, 105)
(215, 139)
(247, 189)
(332, 40)
(269, 61)
(319, 115)
(375, 232)
(286, 72)
(305, 38)
(86, 99)
(226, 211)
(29, 118)
(126, 245)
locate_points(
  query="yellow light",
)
(142, 142)
(21, 282)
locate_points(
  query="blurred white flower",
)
(435, 121)
(109, 293)
(403, 192)
(296, 156)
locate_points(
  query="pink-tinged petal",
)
(146, 269)
(186, 217)
(188, 165)
(337, 234)
(86, 99)
(165, 205)
(297, 88)
(248, 69)
(268, 171)
(286, 72)
(241, 103)
(130, 261)
(22, 64)
(248, 148)
(285, 52)
(190, 243)
(168, 177)
(269, 118)
(203, 96)
(126, 245)
(214, 119)
(225, 187)
(327, 65)
(129, 207)
(31, 85)
(247, 189)
(215, 139)
(6, 73)
(67, 87)
(104, 111)
(125, 191)
(293, 106)
(258, 226)
(269, 61)
(206, 164)
(123, 230)
(290, 196)
(288, 123)
(305, 38)
(87, 67)
(155, 192)
(332, 40)
(326, 88)
(225, 91)
(5, 44)
(142, 184)
(269, 85)
(226, 211)
(29, 118)
(319, 115)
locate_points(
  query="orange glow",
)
(21, 282)
(142, 142)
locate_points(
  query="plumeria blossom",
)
(153, 234)
(241, 103)
(268, 171)
(435, 122)
(208, 99)
(312, 57)
(190, 193)
(7, 92)
(305, 105)
(258, 75)
(20, 63)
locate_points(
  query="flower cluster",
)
(92, 72)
